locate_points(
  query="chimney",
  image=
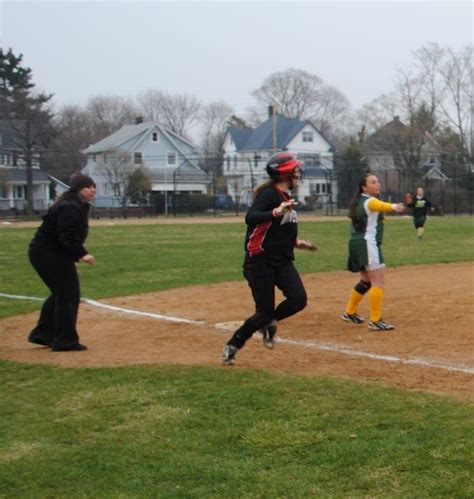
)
(270, 111)
(138, 120)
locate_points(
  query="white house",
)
(13, 183)
(246, 151)
(171, 161)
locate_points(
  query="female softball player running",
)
(365, 254)
(270, 239)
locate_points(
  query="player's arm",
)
(261, 209)
(376, 205)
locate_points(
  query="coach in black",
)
(269, 243)
(54, 251)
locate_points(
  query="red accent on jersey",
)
(254, 246)
(285, 195)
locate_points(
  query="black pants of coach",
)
(263, 276)
(58, 318)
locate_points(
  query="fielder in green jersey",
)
(365, 253)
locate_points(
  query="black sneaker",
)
(356, 319)
(78, 347)
(380, 325)
(39, 341)
(229, 355)
(268, 334)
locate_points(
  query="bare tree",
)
(106, 114)
(298, 94)
(457, 107)
(177, 112)
(74, 134)
(117, 168)
(214, 120)
(434, 94)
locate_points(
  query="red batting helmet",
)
(281, 164)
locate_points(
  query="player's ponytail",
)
(354, 215)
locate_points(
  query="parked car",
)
(223, 202)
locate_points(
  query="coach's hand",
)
(89, 259)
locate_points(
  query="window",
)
(18, 192)
(155, 137)
(15, 158)
(105, 158)
(171, 158)
(308, 137)
(1, 140)
(317, 189)
(137, 158)
(312, 159)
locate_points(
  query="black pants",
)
(58, 318)
(262, 276)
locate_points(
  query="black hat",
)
(79, 181)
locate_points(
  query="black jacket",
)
(272, 236)
(65, 227)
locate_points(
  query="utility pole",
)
(271, 112)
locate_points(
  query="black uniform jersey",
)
(272, 236)
(420, 206)
(65, 227)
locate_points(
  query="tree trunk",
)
(29, 173)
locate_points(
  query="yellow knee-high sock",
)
(375, 303)
(354, 301)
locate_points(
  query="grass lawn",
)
(173, 431)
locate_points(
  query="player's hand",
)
(284, 207)
(398, 207)
(89, 259)
(304, 244)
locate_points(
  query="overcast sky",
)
(223, 50)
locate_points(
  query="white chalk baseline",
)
(317, 345)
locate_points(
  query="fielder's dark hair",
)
(358, 223)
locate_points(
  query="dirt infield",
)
(430, 350)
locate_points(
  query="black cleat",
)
(268, 333)
(229, 355)
(78, 347)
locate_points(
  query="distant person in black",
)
(54, 251)
(420, 205)
(269, 243)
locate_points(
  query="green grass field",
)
(168, 431)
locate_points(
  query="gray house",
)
(246, 151)
(13, 184)
(170, 160)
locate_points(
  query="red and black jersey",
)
(272, 236)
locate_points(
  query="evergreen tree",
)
(28, 119)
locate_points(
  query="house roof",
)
(18, 175)
(392, 133)
(261, 137)
(128, 132)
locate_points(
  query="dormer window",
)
(155, 137)
(308, 137)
